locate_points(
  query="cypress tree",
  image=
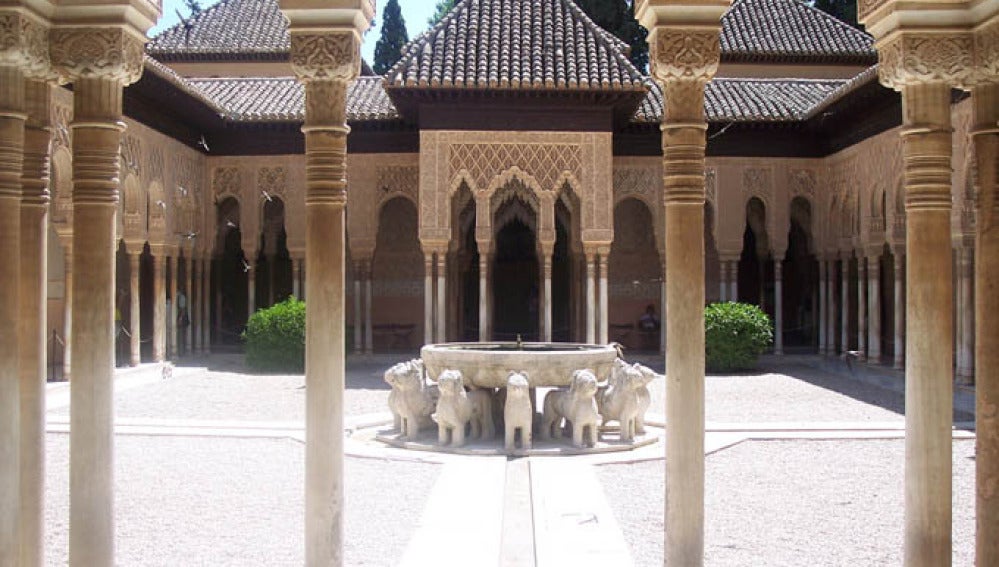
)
(618, 18)
(388, 50)
(443, 7)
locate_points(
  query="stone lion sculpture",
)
(577, 406)
(456, 408)
(411, 400)
(644, 398)
(619, 400)
(517, 411)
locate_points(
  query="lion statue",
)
(575, 405)
(619, 400)
(456, 408)
(412, 400)
(644, 398)
(517, 411)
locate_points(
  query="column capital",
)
(24, 43)
(113, 53)
(921, 57)
(685, 54)
(332, 55)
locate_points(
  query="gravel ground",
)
(226, 392)
(793, 503)
(238, 502)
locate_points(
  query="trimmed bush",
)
(275, 338)
(735, 335)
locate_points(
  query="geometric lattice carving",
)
(802, 183)
(226, 181)
(272, 181)
(396, 180)
(636, 181)
(547, 163)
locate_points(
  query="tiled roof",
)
(751, 100)
(503, 44)
(533, 30)
(230, 28)
(790, 29)
(283, 99)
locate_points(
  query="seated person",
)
(648, 320)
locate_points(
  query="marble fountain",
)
(484, 398)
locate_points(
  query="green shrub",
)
(735, 334)
(275, 338)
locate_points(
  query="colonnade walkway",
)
(804, 467)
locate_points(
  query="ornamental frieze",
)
(272, 181)
(24, 43)
(396, 180)
(802, 183)
(547, 163)
(644, 182)
(97, 53)
(226, 182)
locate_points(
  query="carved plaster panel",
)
(272, 181)
(24, 43)
(325, 56)
(912, 58)
(107, 53)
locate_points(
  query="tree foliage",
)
(275, 338)
(618, 18)
(735, 334)
(845, 10)
(388, 50)
(443, 7)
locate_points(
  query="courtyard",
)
(804, 467)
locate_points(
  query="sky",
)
(415, 12)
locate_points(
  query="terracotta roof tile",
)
(229, 28)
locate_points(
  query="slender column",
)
(722, 281)
(483, 293)
(428, 297)
(874, 309)
(603, 298)
(296, 277)
(862, 307)
(206, 294)
(159, 308)
(823, 307)
(441, 296)
(326, 62)
(844, 298)
(358, 329)
(591, 298)
(97, 130)
(188, 303)
(270, 280)
(251, 288)
(663, 307)
(733, 282)
(986, 136)
(67, 310)
(966, 356)
(135, 319)
(548, 297)
(369, 344)
(195, 301)
(926, 143)
(831, 310)
(779, 306)
(12, 119)
(32, 335)
(899, 310)
(172, 314)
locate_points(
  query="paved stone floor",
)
(804, 468)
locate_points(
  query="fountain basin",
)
(487, 365)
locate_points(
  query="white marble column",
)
(547, 307)
(428, 297)
(135, 320)
(296, 277)
(67, 310)
(845, 303)
(874, 309)
(862, 307)
(591, 298)
(195, 304)
(779, 306)
(604, 323)
(483, 293)
(832, 307)
(270, 279)
(899, 362)
(823, 307)
(189, 307)
(172, 314)
(966, 316)
(722, 281)
(159, 307)
(441, 334)
(664, 313)
(358, 325)
(206, 308)
(733, 282)
(369, 344)
(251, 287)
